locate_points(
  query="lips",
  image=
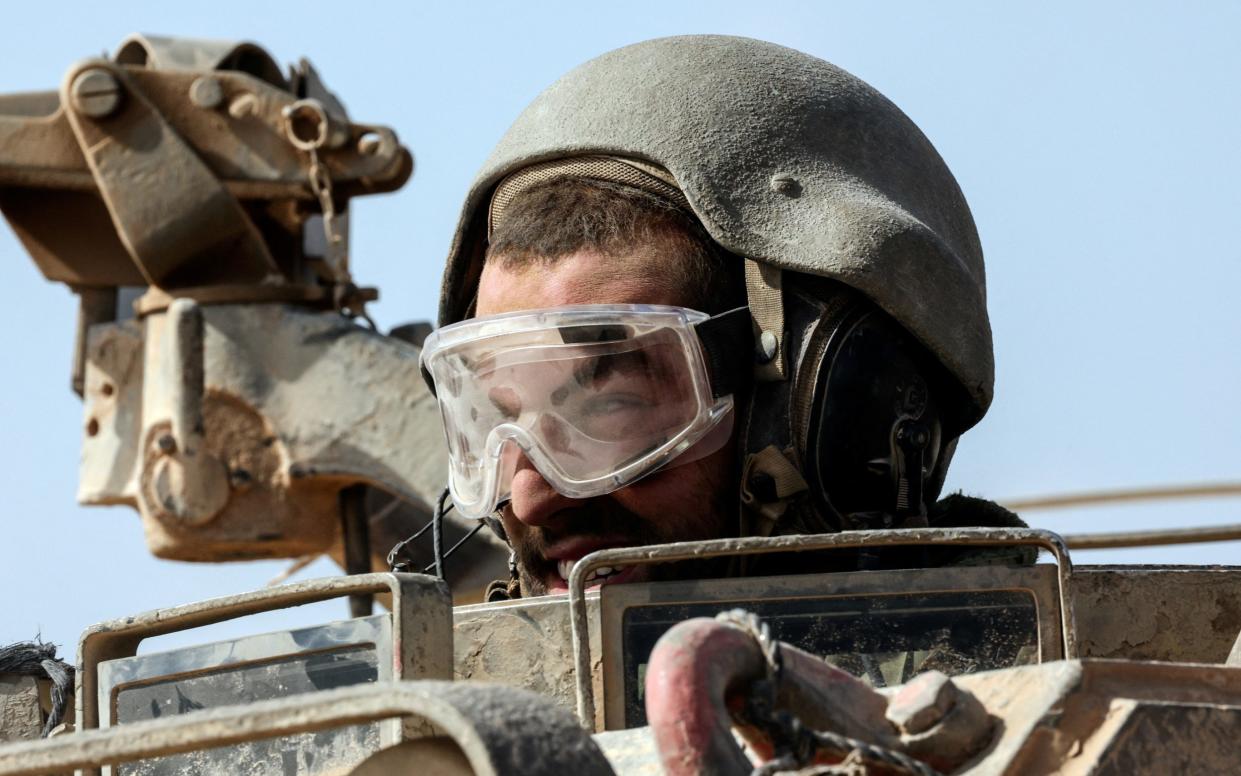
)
(565, 567)
(564, 554)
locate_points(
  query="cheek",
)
(686, 502)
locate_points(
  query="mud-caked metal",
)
(239, 397)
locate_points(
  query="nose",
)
(533, 500)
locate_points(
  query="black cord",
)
(460, 542)
(400, 546)
(437, 536)
(435, 525)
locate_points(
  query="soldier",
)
(709, 286)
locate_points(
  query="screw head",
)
(206, 92)
(166, 444)
(95, 93)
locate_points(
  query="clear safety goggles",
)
(594, 396)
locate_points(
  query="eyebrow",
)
(599, 368)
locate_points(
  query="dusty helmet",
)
(849, 221)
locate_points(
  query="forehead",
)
(584, 277)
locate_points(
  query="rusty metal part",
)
(421, 624)
(1154, 538)
(499, 730)
(712, 548)
(691, 669)
(699, 663)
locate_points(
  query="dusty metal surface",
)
(1175, 614)
(630, 752)
(764, 545)
(1081, 716)
(525, 643)
(499, 730)
(21, 715)
(295, 404)
(233, 411)
(143, 228)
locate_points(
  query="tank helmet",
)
(864, 272)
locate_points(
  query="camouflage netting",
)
(37, 659)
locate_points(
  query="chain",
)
(795, 745)
(307, 128)
(321, 185)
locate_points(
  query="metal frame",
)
(1039, 582)
(474, 717)
(756, 545)
(421, 622)
(120, 674)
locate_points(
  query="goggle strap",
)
(727, 343)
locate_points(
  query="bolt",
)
(768, 344)
(95, 93)
(922, 703)
(166, 444)
(786, 185)
(206, 92)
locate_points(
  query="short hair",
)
(564, 215)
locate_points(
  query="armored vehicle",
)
(238, 397)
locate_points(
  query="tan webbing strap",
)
(762, 288)
(769, 479)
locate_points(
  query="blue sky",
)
(1096, 144)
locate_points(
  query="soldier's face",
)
(549, 531)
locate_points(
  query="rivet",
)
(786, 185)
(166, 444)
(95, 93)
(206, 92)
(768, 344)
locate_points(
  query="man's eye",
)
(612, 403)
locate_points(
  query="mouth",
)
(565, 557)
